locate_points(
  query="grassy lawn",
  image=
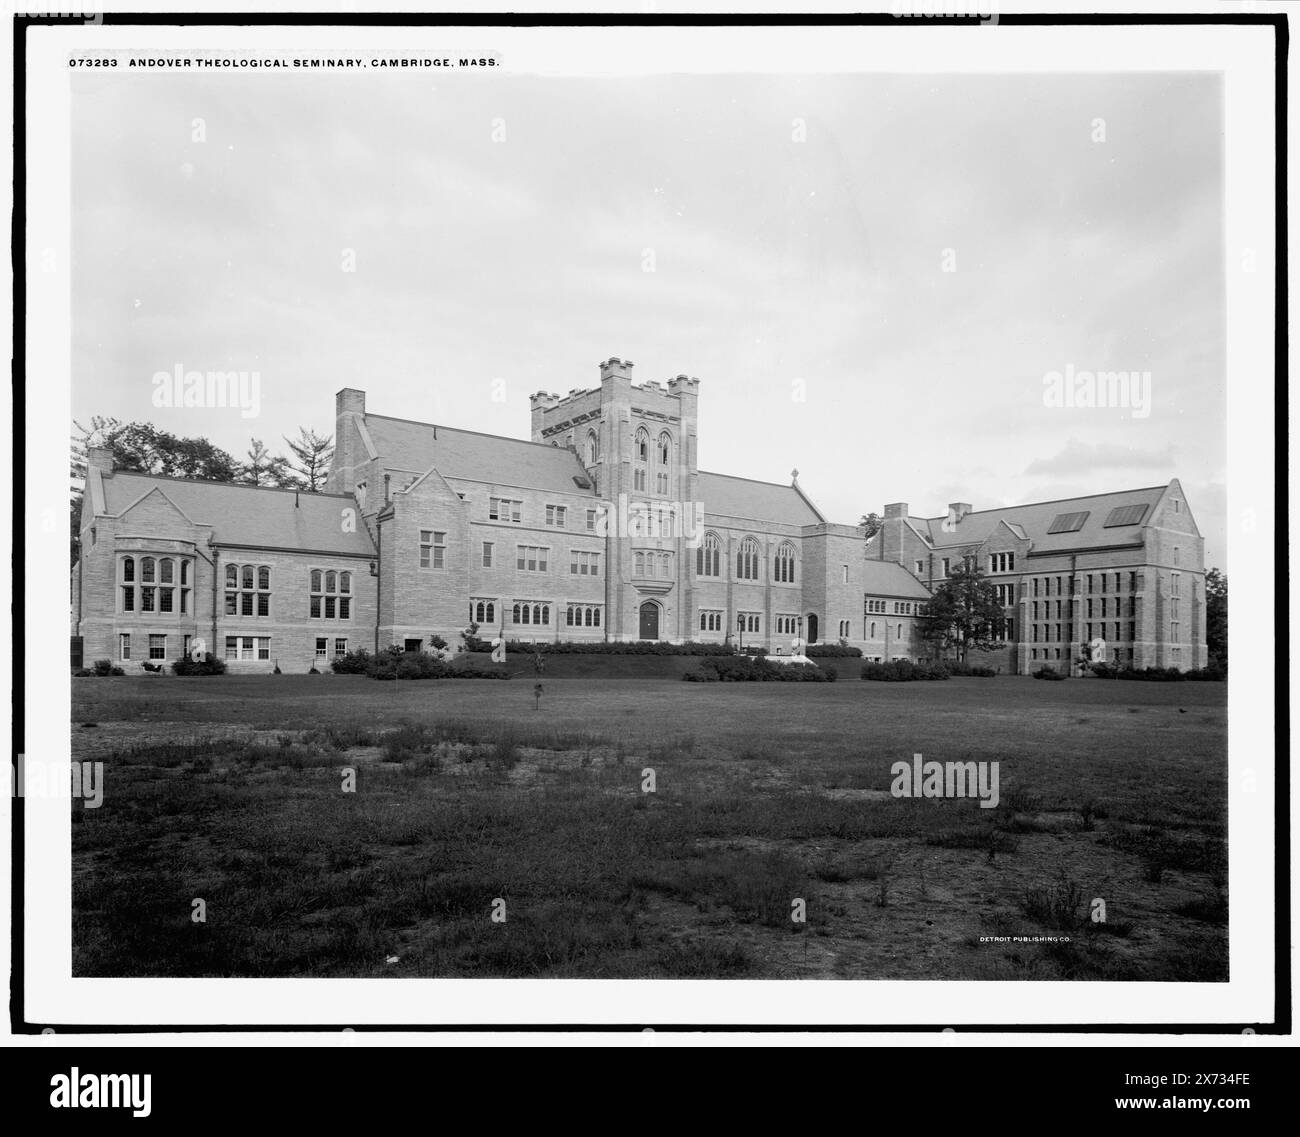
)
(231, 790)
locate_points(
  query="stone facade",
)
(600, 527)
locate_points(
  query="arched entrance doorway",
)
(812, 628)
(649, 621)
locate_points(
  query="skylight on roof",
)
(1125, 515)
(1068, 522)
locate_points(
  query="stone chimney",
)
(957, 510)
(100, 458)
(349, 404)
(890, 539)
(349, 400)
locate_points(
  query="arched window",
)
(147, 569)
(708, 556)
(345, 582)
(638, 564)
(665, 448)
(546, 613)
(593, 448)
(246, 576)
(642, 444)
(478, 616)
(128, 568)
(784, 565)
(491, 612)
(185, 572)
(747, 560)
(165, 570)
(515, 615)
(668, 566)
(232, 576)
(264, 578)
(315, 578)
(331, 581)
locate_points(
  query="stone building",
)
(600, 527)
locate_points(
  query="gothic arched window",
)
(708, 556)
(747, 560)
(784, 564)
(642, 444)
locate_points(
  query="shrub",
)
(1046, 672)
(747, 669)
(1172, 675)
(633, 647)
(472, 641)
(832, 651)
(902, 671)
(209, 665)
(967, 670)
(394, 663)
(354, 663)
(104, 667)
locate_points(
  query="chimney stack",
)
(957, 510)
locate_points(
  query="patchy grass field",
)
(231, 790)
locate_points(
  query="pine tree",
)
(313, 455)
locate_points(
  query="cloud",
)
(1081, 458)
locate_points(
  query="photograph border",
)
(1281, 1022)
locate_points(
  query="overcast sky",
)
(803, 282)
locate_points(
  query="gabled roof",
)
(726, 496)
(885, 578)
(473, 457)
(247, 515)
(1035, 520)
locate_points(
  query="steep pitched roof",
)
(247, 515)
(726, 496)
(885, 578)
(490, 458)
(1035, 520)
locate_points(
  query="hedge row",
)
(902, 671)
(1049, 673)
(634, 647)
(741, 669)
(394, 663)
(1161, 674)
(210, 665)
(101, 668)
(970, 670)
(832, 651)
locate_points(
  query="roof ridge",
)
(215, 482)
(476, 433)
(756, 481)
(1052, 501)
